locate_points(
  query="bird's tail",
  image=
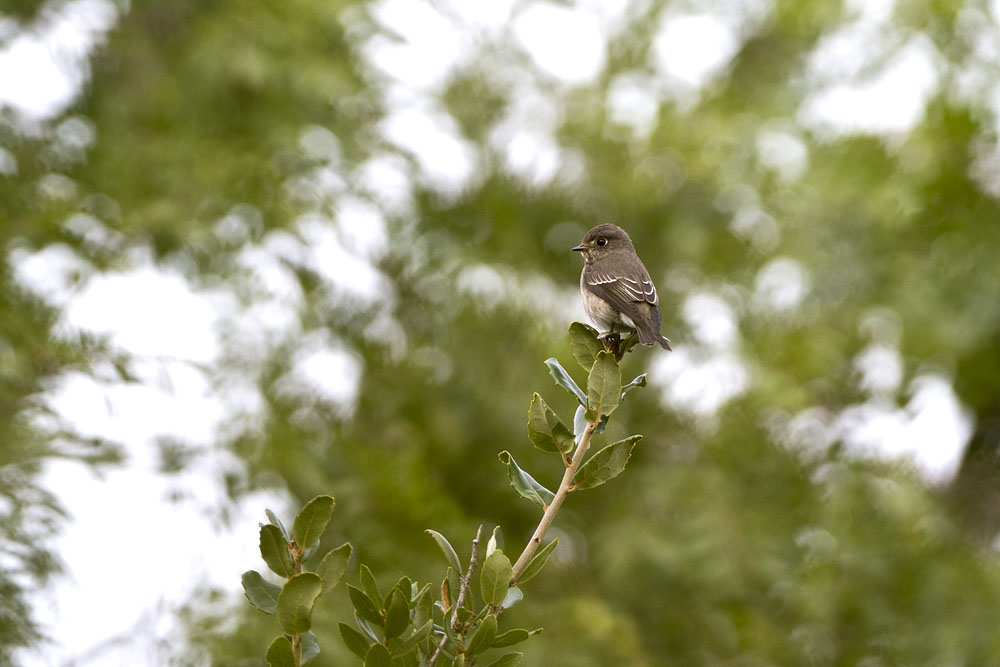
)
(649, 337)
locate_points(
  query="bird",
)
(616, 286)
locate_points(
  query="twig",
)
(463, 589)
(565, 486)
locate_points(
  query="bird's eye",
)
(602, 242)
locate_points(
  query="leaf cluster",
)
(292, 603)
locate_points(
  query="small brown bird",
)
(616, 286)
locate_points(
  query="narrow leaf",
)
(333, 566)
(369, 586)
(274, 550)
(311, 521)
(397, 616)
(364, 606)
(564, 380)
(405, 586)
(509, 660)
(455, 584)
(446, 548)
(491, 545)
(637, 382)
(579, 423)
(366, 627)
(606, 464)
(539, 560)
(354, 640)
(378, 656)
(279, 653)
(295, 602)
(411, 642)
(275, 521)
(510, 638)
(545, 430)
(584, 343)
(604, 385)
(310, 647)
(483, 637)
(525, 484)
(495, 578)
(261, 593)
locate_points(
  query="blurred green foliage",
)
(724, 544)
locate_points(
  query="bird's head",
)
(603, 240)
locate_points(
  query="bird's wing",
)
(622, 292)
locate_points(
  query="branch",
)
(463, 589)
(565, 486)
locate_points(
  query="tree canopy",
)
(396, 185)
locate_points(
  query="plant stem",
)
(463, 589)
(565, 486)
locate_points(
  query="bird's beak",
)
(581, 247)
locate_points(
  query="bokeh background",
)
(254, 251)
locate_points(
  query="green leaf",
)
(275, 521)
(279, 653)
(491, 545)
(495, 578)
(274, 550)
(366, 627)
(545, 430)
(311, 521)
(537, 562)
(512, 597)
(510, 638)
(525, 484)
(446, 548)
(604, 385)
(261, 593)
(509, 660)
(637, 382)
(333, 566)
(423, 606)
(397, 616)
(364, 605)
(378, 656)
(369, 585)
(295, 602)
(483, 637)
(455, 585)
(310, 647)
(605, 464)
(405, 586)
(581, 419)
(584, 343)
(354, 640)
(579, 423)
(411, 642)
(564, 380)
